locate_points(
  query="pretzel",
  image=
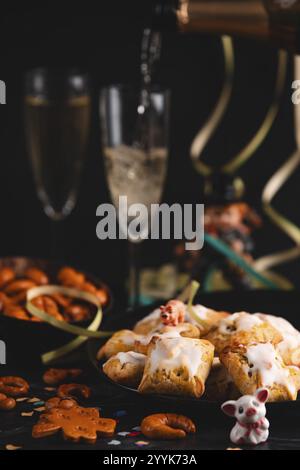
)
(167, 426)
(4, 300)
(37, 276)
(6, 403)
(73, 391)
(56, 376)
(14, 311)
(71, 278)
(77, 312)
(61, 300)
(13, 386)
(6, 275)
(75, 423)
(19, 285)
(48, 305)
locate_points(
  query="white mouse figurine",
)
(251, 427)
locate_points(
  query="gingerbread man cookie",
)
(76, 423)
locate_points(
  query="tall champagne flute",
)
(134, 137)
(57, 121)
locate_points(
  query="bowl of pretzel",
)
(26, 336)
(208, 354)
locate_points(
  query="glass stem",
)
(134, 274)
(55, 240)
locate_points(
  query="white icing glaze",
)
(242, 321)
(265, 361)
(291, 336)
(128, 337)
(168, 332)
(129, 357)
(171, 353)
(200, 310)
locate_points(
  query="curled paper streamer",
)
(272, 188)
(203, 136)
(205, 133)
(82, 333)
(257, 269)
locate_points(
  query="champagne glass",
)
(134, 137)
(57, 121)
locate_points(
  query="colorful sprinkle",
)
(120, 413)
(137, 428)
(134, 434)
(114, 443)
(40, 409)
(142, 443)
(49, 389)
(39, 403)
(34, 400)
(12, 447)
(123, 433)
(19, 400)
(30, 413)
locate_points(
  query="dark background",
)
(105, 40)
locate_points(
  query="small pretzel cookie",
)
(6, 403)
(13, 386)
(74, 391)
(56, 376)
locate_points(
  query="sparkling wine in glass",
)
(57, 122)
(135, 152)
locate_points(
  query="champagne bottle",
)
(277, 21)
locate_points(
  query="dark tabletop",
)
(129, 408)
(212, 427)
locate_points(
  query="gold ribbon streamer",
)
(83, 333)
(205, 133)
(251, 147)
(271, 189)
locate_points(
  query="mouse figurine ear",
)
(262, 394)
(229, 407)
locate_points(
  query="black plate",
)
(281, 303)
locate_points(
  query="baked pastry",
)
(207, 318)
(177, 366)
(289, 347)
(186, 330)
(242, 328)
(219, 385)
(149, 323)
(121, 341)
(125, 368)
(259, 365)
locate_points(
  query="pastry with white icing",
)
(177, 366)
(205, 318)
(121, 341)
(125, 368)
(289, 347)
(186, 330)
(149, 323)
(219, 384)
(242, 328)
(259, 365)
